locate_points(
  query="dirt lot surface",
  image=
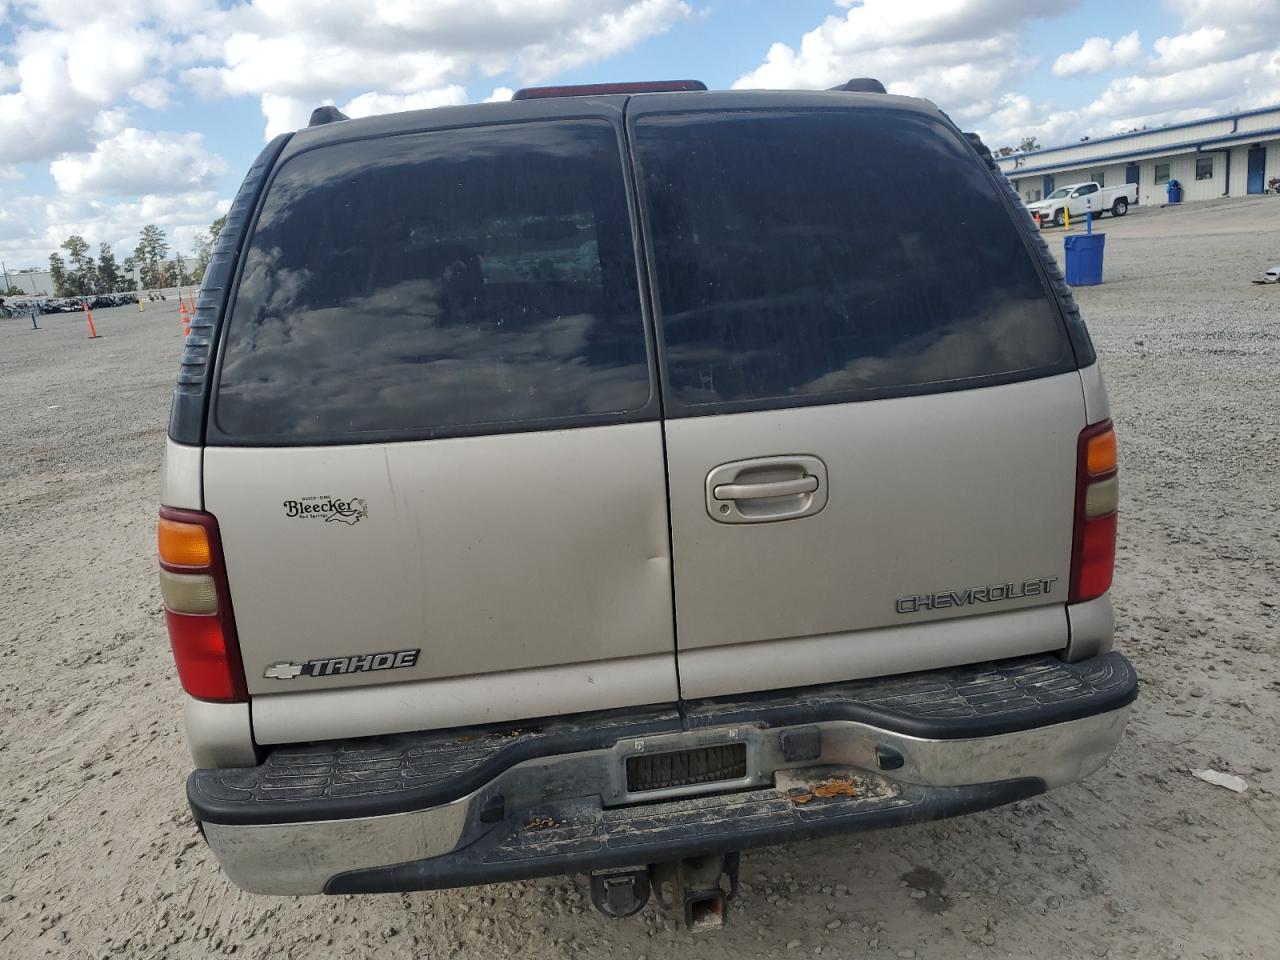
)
(99, 858)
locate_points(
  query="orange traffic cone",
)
(93, 334)
(1039, 225)
(184, 318)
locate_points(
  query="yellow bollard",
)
(140, 305)
(1066, 213)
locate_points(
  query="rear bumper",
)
(452, 808)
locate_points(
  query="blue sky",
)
(115, 115)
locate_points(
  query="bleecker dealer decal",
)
(328, 509)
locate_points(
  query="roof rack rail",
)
(601, 89)
(321, 115)
(861, 85)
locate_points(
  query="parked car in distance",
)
(1079, 198)
(614, 479)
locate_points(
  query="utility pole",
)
(5, 270)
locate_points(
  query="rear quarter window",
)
(819, 256)
(434, 284)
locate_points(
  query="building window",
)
(1099, 177)
(1162, 173)
(1033, 196)
(1204, 168)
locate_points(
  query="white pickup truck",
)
(1077, 198)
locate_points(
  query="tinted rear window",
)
(820, 256)
(456, 281)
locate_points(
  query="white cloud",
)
(371, 104)
(137, 161)
(1189, 49)
(154, 93)
(1016, 116)
(106, 59)
(20, 220)
(297, 65)
(45, 114)
(964, 54)
(71, 14)
(66, 78)
(108, 123)
(32, 227)
(289, 52)
(1098, 54)
(1147, 97)
(1138, 100)
(284, 114)
(610, 28)
(969, 56)
(1257, 14)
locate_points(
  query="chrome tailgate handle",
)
(762, 491)
(767, 489)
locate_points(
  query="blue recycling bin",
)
(1084, 259)
(1173, 190)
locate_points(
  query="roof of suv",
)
(561, 107)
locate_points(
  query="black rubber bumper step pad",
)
(395, 774)
(683, 768)
(580, 836)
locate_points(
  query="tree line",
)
(80, 274)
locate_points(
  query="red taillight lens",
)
(1093, 550)
(200, 651)
(1092, 578)
(197, 612)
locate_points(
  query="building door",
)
(1257, 166)
(1048, 185)
(1131, 173)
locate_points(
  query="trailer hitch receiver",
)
(698, 888)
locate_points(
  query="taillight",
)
(1093, 549)
(197, 606)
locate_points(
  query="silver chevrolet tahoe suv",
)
(618, 478)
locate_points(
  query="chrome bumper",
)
(303, 857)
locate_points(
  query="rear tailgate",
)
(434, 448)
(871, 398)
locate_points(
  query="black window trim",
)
(192, 397)
(673, 409)
(651, 411)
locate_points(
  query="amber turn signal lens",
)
(1101, 457)
(183, 544)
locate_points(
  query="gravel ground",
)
(99, 858)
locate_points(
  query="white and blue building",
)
(1228, 156)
